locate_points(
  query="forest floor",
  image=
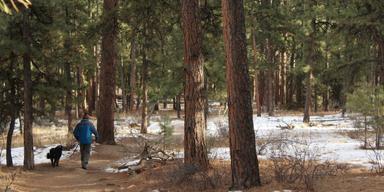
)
(329, 133)
(169, 177)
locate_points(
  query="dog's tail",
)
(48, 155)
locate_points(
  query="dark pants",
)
(85, 151)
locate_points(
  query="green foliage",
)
(166, 131)
(368, 100)
(338, 40)
(363, 100)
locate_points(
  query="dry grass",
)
(43, 135)
(174, 177)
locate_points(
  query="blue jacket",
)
(83, 132)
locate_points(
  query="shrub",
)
(297, 164)
(166, 131)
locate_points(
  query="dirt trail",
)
(70, 177)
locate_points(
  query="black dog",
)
(55, 154)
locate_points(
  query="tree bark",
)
(13, 109)
(105, 116)
(290, 78)
(80, 91)
(309, 60)
(269, 79)
(9, 140)
(178, 105)
(93, 88)
(68, 96)
(195, 152)
(28, 117)
(123, 86)
(283, 77)
(68, 78)
(144, 109)
(132, 76)
(244, 163)
(256, 89)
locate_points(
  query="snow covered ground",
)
(323, 136)
(40, 155)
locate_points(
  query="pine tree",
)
(244, 163)
(195, 152)
(106, 104)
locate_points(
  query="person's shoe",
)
(84, 167)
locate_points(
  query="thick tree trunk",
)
(244, 163)
(195, 152)
(28, 117)
(308, 95)
(91, 94)
(132, 76)
(105, 116)
(14, 112)
(256, 89)
(144, 107)
(9, 140)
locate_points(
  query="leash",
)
(77, 145)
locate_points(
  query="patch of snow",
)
(125, 162)
(322, 136)
(40, 155)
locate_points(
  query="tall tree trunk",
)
(326, 92)
(13, 111)
(91, 94)
(93, 89)
(28, 117)
(144, 109)
(123, 86)
(380, 63)
(68, 96)
(308, 95)
(269, 79)
(283, 77)
(195, 152)
(68, 78)
(244, 163)
(290, 78)
(80, 92)
(132, 76)
(309, 59)
(9, 140)
(105, 116)
(256, 90)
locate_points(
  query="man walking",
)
(83, 134)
